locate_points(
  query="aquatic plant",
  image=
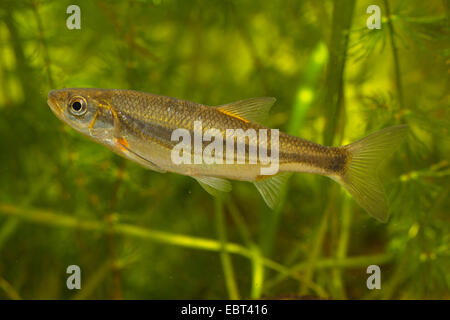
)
(139, 234)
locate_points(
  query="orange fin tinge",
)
(122, 144)
(233, 115)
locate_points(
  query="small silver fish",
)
(140, 126)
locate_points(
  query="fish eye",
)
(77, 106)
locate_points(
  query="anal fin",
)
(270, 188)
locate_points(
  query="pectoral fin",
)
(254, 110)
(213, 185)
(270, 188)
(123, 147)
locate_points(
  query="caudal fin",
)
(361, 177)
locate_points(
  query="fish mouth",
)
(54, 105)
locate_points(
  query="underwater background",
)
(135, 233)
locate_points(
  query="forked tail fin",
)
(361, 176)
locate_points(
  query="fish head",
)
(85, 110)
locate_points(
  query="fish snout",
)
(53, 101)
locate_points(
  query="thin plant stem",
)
(341, 253)
(315, 252)
(110, 236)
(398, 81)
(40, 28)
(257, 273)
(239, 222)
(93, 281)
(334, 96)
(225, 258)
(346, 263)
(9, 290)
(257, 263)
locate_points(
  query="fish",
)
(140, 127)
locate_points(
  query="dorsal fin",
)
(254, 110)
(270, 188)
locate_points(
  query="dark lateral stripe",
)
(162, 135)
(331, 163)
(146, 130)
